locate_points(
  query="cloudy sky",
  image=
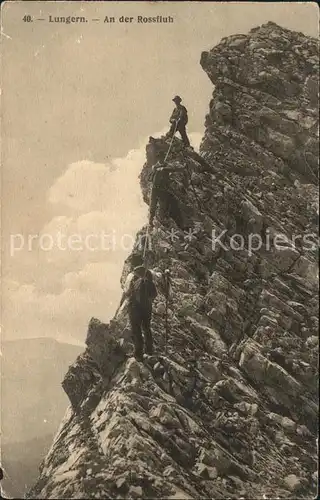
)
(78, 105)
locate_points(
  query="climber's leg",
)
(135, 318)
(153, 205)
(171, 131)
(146, 324)
(164, 207)
(174, 210)
(183, 133)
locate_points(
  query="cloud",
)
(29, 312)
(88, 199)
(75, 275)
(91, 237)
(87, 186)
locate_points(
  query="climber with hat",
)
(139, 293)
(179, 120)
(138, 296)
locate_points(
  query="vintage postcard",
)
(159, 235)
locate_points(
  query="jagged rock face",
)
(267, 89)
(230, 410)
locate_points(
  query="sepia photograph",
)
(159, 250)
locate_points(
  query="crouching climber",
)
(139, 294)
(161, 193)
(179, 120)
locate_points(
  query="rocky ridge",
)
(230, 409)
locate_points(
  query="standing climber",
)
(139, 293)
(162, 194)
(179, 120)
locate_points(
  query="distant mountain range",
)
(32, 404)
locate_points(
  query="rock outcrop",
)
(229, 409)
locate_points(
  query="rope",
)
(169, 149)
(310, 169)
(145, 248)
(166, 327)
(164, 161)
(145, 242)
(167, 285)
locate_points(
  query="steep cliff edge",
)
(231, 410)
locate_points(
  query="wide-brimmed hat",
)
(177, 98)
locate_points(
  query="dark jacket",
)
(180, 113)
(161, 175)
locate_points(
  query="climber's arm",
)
(126, 289)
(161, 280)
(156, 276)
(173, 116)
